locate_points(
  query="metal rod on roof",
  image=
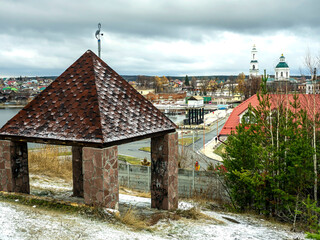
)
(98, 35)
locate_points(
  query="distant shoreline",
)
(10, 106)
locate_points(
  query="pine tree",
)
(186, 81)
(269, 157)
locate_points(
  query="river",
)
(6, 114)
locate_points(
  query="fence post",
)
(192, 180)
(148, 178)
(128, 173)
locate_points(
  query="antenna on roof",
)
(98, 35)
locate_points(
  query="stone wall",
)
(77, 174)
(14, 173)
(164, 172)
(100, 176)
(5, 167)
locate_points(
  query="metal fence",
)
(190, 183)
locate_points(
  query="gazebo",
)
(93, 109)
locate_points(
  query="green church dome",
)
(282, 65)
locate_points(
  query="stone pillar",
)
(196, 116)
(100, 177)
(14, 172)
(164, 172)
(203, 113)
(77, 171)
(191, 117)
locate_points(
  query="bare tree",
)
(311, 64)
(194, 83)
(145, 82)
(204, 85)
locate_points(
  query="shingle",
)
(89, 102)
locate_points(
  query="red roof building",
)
(306, 102)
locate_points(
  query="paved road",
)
(132, 149)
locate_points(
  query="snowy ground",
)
(26, 222)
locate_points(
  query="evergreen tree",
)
(186, 81)
(269, 158)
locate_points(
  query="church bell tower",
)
(254, 66)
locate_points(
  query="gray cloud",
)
(57, 32)
(156, 18)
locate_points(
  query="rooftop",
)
(282, 65)
(234, 119)
(306, 102)
(88, 104)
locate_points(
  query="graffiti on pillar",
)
(159, 166)
(158, 189)
(19, 160)
(16, 168)
(19, 164)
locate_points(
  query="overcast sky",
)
(157, 37)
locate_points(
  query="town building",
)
(282, 70)
(239, 113)
(254, 65)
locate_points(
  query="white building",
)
(254, 66)
(195, 102)
(310, 85)
(282, 70)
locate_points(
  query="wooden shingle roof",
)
(88, 104)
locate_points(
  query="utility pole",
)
(193, 140)
(314, 138)
(204, 134)
(98, 35)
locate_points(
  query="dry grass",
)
(195, 214)
(155, 218)
(143, 194)
(47, 160)
(131, 219)
(133, 192)
(192, 213)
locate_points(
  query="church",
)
(254, 65)
(281, 72)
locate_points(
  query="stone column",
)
(192, 111)
(197, 116)
(77, 171)
(14, 172)
(164, 172)
(100, 177)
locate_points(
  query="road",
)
(132, 149)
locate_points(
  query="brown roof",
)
(88, 103)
